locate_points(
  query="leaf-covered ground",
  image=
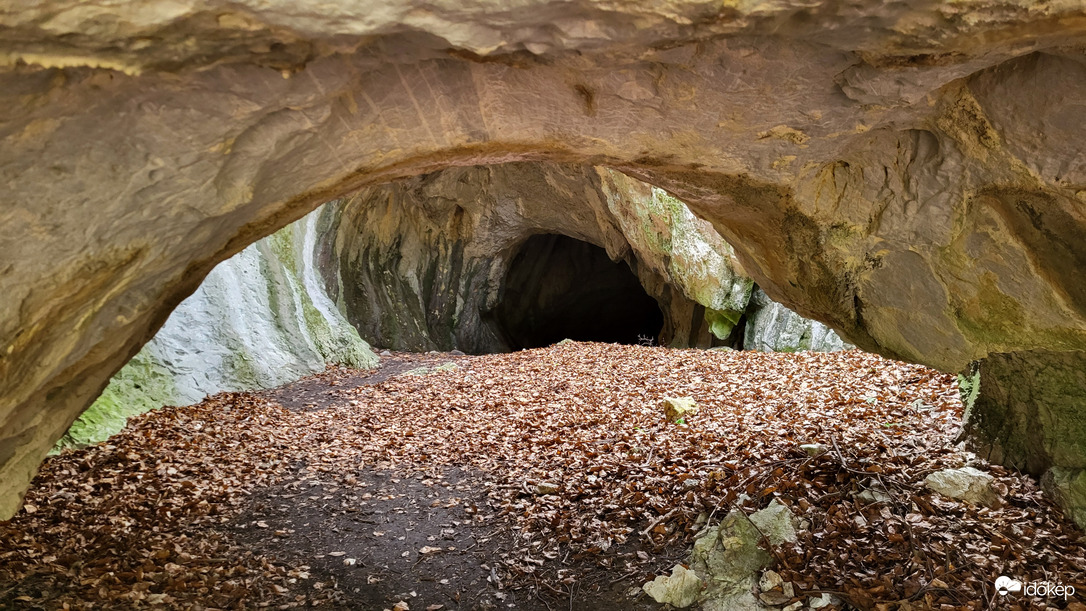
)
(543, 479)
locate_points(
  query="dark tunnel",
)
(558, 287)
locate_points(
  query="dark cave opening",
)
(558, 287)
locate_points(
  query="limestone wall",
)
(423, 261)
(260, 319)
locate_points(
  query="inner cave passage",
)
(559, 287)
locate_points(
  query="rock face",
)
(494, 258)
(771, 327)
(260, 319)
(1027, 410)
(910, 174)
(454, 260)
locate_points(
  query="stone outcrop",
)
(260, 319)
(432, 263)
(727, 561)
(1010, 395)
(771, 327)
(1027, 410)
(908, 173)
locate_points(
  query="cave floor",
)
(543, 479)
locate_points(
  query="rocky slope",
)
(909, 173)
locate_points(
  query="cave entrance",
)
(558, 287)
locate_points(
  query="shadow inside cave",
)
(559, 287)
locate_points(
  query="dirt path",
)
(413, 538)
(334, 386)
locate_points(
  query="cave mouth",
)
(559, 287)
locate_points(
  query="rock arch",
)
(910, 176)
(423, 263)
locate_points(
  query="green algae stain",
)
(140, 386)
(147, 383)
(721, 322)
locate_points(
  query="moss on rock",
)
(144, 384)
(259, 320)
(1026, 410)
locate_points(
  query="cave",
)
(137, 156)
(558, 287)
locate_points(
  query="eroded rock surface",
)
(771, 327)
(438, 263)
(260, 319)
(910, 174)
(1028, 410)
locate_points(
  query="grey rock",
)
(771, 327)
(730, 556)
(776, 522)
(1068, 488)
(680, 589)
(814, 449)
(966, 484)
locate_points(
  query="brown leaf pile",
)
(580, 464)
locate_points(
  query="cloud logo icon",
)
(1005, 585)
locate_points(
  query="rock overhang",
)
(848, 148)
(180, 34)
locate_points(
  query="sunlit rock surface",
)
(260, 319)
(910, 174)
(771, 327)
